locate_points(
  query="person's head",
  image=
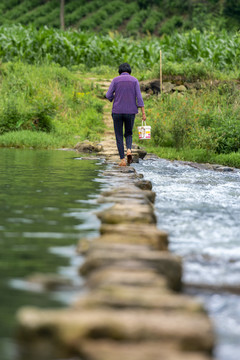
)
(125, 67)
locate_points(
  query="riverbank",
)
(47, 107)
(191, 121)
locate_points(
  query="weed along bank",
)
(131, 306)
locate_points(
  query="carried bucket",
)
(144, 131)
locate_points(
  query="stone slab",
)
(144, 278)
(128, 213)
(163, 263)
(132, 297)
(188, 332)
(137, 232)
(103, 350)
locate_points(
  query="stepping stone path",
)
(132, 307)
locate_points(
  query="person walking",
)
(125, 93)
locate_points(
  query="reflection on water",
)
(45, 202)
(201, 211)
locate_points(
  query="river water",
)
(46, 204)
(47, 200)
(200, 209)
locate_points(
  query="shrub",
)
(116, 20)
(152, 21)
(48, 99)
(39, 12)
(136, 22)
(207, 120)
(171, 25)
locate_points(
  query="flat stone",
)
(145, 350)
(161, 262)
(223, 168)
(87, 146)
(180, 88)
(119, 196)
(143, 184)
(127, 213)
(107, 243)
(117, 276)
(151, 157)
(151, 195)
(123, 190)
(139, 233)
(168, 87)
(68, 328)
(122, 169)
(141, 153)
(121, 175)
(121, 199)
(128, 297)
(128, 241)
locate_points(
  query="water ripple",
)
(200, 210)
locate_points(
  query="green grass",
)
(202, 126)
(46, 107)
(194, 155)
(35, 140)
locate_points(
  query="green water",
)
(45, 202)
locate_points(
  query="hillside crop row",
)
(129, 17)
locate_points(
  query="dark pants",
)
(128, 121)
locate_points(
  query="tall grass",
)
(48, 102)
(205, 122)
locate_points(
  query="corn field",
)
(221, 50)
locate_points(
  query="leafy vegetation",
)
(156, 17)
(47, 99)
(181, 52)
(198, 126)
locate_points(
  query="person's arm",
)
(110, 93)
(143, 114)
(140, 102)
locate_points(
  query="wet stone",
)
(151, 195)
(121, 175)
(124, 191)
(162, 263)
(145, 350)
(87, 146)
(184, 331)
(107, 243)
(128, 213)
(138, 233)
(123, 169)
(144, 184)
(112, 276)
(128, 297)
(141, 153)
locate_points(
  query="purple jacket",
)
(125, 91)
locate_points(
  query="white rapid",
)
(201, 211)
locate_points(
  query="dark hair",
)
(125, 67)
